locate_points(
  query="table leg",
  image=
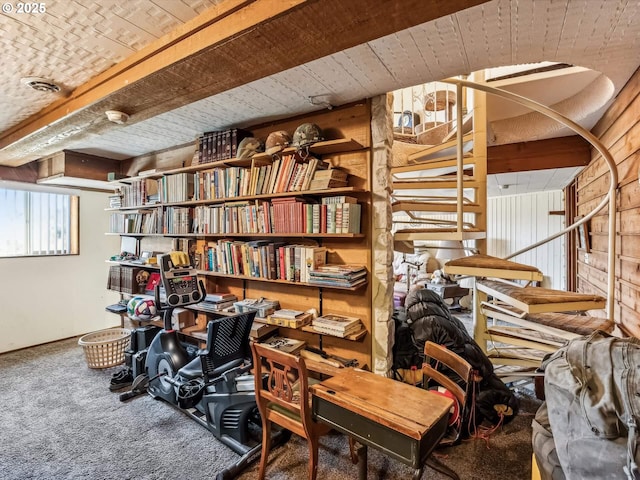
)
(439, 467)
(362, 462)
(417, 473)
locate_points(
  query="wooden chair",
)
(436, 355)
(285, 401)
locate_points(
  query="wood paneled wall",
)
(619, 130)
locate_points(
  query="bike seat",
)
(191, 370)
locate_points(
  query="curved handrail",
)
(609, 197)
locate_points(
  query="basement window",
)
(36, 222)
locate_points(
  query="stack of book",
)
(115, 201)
(216, 302)
(338, 275)
(330, 178)
(337, 325)
(289, 318)
(263, 307)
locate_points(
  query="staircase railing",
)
(596, 143)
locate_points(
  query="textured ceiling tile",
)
(76, 40)
(279, 92)
(485, 31)
(367, 69)
(338, 83)
(79, 39)
(536, 30)
(440, 48)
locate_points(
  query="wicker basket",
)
(105, 348)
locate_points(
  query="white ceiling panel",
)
(76, 40)
(486, 34)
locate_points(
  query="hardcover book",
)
(284, 344)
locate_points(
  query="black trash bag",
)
(430, 320)
(406, 354)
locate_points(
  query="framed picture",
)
(583, 236)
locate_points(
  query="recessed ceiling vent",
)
(41, 84)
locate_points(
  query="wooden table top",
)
(407, 409)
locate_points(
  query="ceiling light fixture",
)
(117, 117)
(41, 84)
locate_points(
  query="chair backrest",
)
(285, 392)
(437, 356)
(227, 343)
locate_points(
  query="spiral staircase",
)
(439, 193)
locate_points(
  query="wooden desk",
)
(403, 421)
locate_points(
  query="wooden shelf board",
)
(139, 207)
(319, 148)
(287, 282)
(304, 193)
(266, 235)
(327, 191)
(191, 168)
(243, 235)
(129, 264)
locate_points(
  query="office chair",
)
(283, 398)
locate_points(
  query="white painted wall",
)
(50, 298)
(517, 221)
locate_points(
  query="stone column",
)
(382, 239)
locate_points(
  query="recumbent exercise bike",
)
(212, 386)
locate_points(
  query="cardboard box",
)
(182, 318)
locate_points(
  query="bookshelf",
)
(349, 150)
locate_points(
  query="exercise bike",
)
(212, 386)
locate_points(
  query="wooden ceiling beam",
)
(233, 44)
(546, 154)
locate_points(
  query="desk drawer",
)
(371, 433)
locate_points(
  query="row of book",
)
(123, 279)
(140, 222)
(288, 174)
(177, 220)
(215, 302)
(263, 259)
(286, 215)
(175, 188)
(220, 145)
(137, 193)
